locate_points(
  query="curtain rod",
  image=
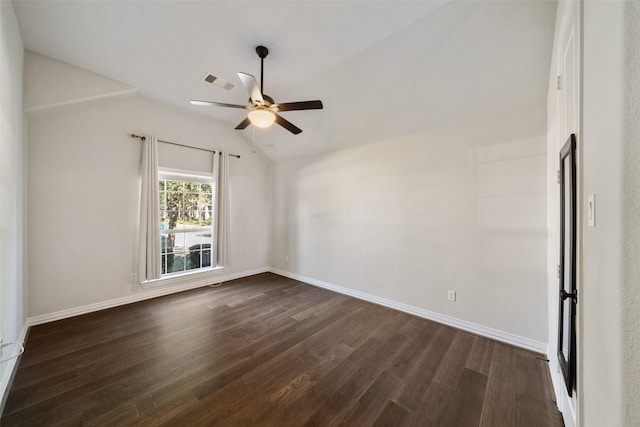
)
(133, 135)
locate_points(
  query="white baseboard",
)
(158, 291)
(152, 292)
(9, 370)
(485, 331)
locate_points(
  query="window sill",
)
(206, 276)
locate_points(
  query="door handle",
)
(573, 295)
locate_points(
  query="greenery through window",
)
(185, 223)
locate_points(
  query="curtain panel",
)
(221, 208)
(149, 257)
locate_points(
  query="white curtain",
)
(221, 206)
(149, 261)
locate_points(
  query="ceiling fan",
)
(263, 111)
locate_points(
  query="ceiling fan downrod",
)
(262, 53)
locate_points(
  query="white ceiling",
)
(381, 68)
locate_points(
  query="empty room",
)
(289, 213)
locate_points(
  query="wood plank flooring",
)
(270, 351)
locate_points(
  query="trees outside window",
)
(186, 215)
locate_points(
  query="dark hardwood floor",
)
(270, 351)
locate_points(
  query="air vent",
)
(217, 81)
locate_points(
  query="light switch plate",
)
(591, 210)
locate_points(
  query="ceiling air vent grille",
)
(217, 81)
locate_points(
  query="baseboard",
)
(485, 331)
(148, 293)
(10, 370)
(496, 334)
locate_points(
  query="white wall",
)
(83, 196)
(50, 83)
(406, 219)
(610, 296)
(601, 296)
(630, 213)
(12, 225)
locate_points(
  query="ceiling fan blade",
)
(219, 104)
(287, 125)
(243, 124)
(303, 105)
(252, 87)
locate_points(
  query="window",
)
(185, 222)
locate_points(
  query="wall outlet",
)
(133, 277)
(451, 295)
(286, 259)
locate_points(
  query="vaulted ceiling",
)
(381, 68)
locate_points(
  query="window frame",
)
(167, 174)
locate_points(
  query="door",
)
(567, 295)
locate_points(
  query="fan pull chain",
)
(253, 140)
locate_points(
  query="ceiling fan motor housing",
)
(262, 52)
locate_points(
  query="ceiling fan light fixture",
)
(262, 118)
(263, 109)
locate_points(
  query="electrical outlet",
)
(451, 295)
(286, 259)
(133, 277)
